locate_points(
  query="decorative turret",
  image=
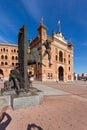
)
(42, 31)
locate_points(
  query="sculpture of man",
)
(16, 78)
(47, 45)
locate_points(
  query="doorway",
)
(61, 73)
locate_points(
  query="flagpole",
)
(41, 21)
(59, 25)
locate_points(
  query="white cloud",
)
(84, 43)
(6, 22)
(33, 8)
(3, 39)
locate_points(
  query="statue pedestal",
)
(23, 100)
(5, 101)
(7, 92)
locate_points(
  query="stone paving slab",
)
(49, 91)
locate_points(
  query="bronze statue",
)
(47, 45)
(14, 81)
(22, 57)
(30, 77)
(18, 79)
(34, 57)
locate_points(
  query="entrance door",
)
(1, 73)
(61, 75)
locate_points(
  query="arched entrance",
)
(1, 73)
(61, 73)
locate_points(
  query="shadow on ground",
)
(34, 126)
(4, 124)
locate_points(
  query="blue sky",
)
(72, 14)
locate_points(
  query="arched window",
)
(12, 64)
(14, 50)
(69, 56)
(51, 76)
(6, 63)
(6, 57)
(2, 63)
(56, 57)
(16, 58)
(1, 72)
(69, 61)
(60, 56)
(48, 75)
(64, 60)
(69, 68)
(2, 57)
(12, 57)
(4, 49)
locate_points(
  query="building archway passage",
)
(1, 73)
(61, 73)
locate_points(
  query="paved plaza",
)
(64, 107)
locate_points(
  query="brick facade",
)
(8, 58)
(62, 68)
(61, 57)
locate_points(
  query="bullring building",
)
(62, 67)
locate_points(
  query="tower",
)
(42, 32)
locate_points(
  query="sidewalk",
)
(48, 90)
(60, 111)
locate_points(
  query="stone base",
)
(7, 92)
(23, 100)
(26, 101)
(5, 101)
